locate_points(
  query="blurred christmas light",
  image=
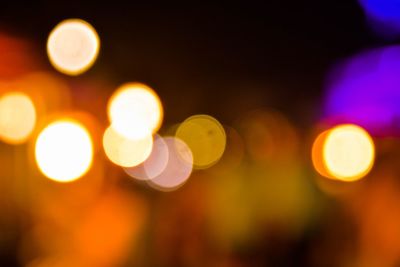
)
(126, 152)
(64, 150)
(135, 110)
(178, 169)
(205, 137)
(383, 15)
(73, 46)
(154, 165)
(17, 117)
(348, 152)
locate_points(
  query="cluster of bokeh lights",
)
(64, 148)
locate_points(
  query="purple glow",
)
(365, 90)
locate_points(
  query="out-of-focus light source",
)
(364, 90)
(17, 117)
(348, 152)
(64, 150)
(178, 169)
(383, 16)
(73, 46)
(135, 110)
(154, 165)
(205, 137)
(126, 152)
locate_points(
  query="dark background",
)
(219, 59)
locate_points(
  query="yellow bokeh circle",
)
(205, 137)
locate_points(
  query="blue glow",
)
(365, 90)
(383, 15)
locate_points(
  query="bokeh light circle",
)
(64, 151)
(126, 152)
(73, 46)
(135, 110)
(348, 152)
(178, 169)
(154, 165)
(17, 117)
(205, 137)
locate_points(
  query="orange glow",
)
(64, 151)
(73, 46)
(135, 110)
(317, 155)
(17, 117)
(126, 152)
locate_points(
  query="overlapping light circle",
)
(155, 164)
(126, 152)
(135, 111)
(178, 168)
